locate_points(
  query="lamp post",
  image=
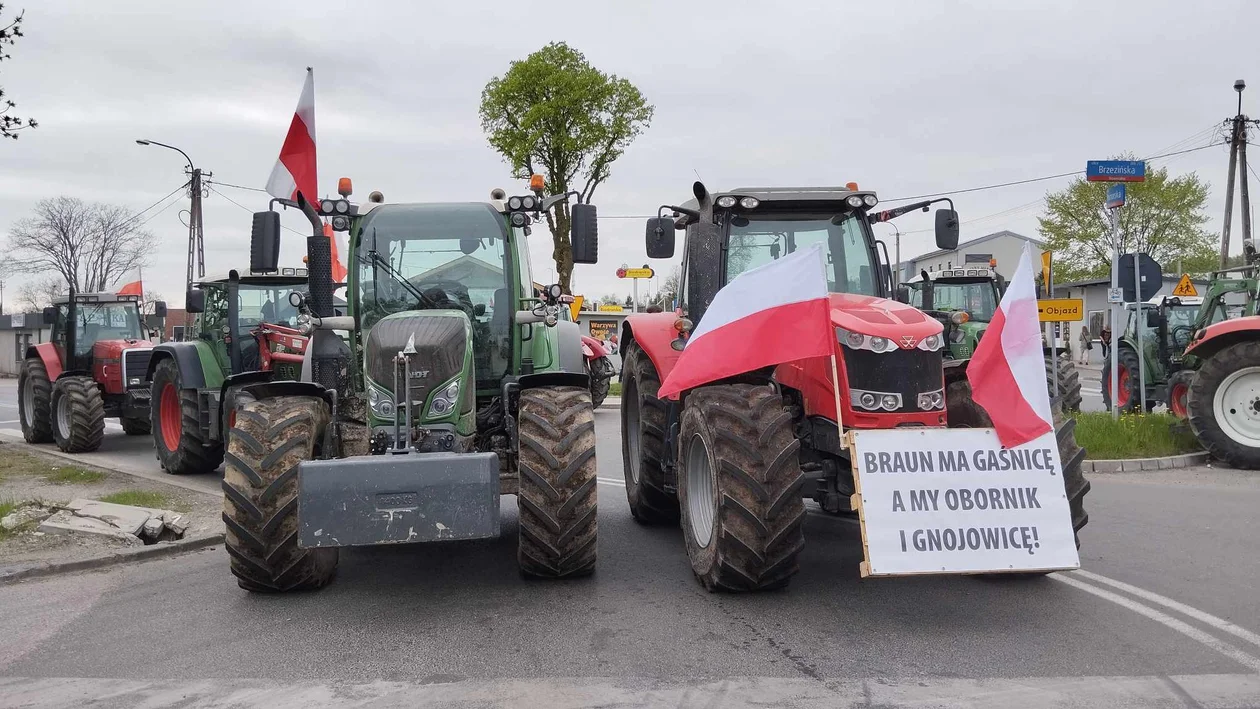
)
(196, 230)
(896, 257)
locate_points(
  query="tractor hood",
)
(441, 339)
(882, 317)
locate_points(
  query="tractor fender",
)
(592, 348)
(271, 389)
(654, 333)
(1218, 336)
(569, 357)
(541, 379)
(48, 354)
(186, 357)
(227, 395)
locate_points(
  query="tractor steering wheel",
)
(1179, 340)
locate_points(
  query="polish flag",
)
(1008, 370)
(295, 170)
(767, 315)
(133, 288)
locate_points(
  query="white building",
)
(1004, 247)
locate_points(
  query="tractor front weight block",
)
(398, 498)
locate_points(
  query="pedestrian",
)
(1104, 337)
(1086, 345)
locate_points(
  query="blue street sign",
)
(1115, 171)
(1115, 196)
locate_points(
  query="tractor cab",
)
(962, 299)
(260, 298)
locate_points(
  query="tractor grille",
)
(440, 342)
(135, 365)
(905, 372)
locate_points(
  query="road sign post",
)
(1117, 171)
(1054, 329)
(1139, 324)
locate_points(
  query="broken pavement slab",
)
(124, 523)
(66, 522)
(124, 517)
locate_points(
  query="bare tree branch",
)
(90, 246)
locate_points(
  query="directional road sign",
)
(1115, 171)
(1061, 309)
(1115, 196)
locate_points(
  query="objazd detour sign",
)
(941, 501)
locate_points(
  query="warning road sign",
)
(1185, 289)
(1061, 310)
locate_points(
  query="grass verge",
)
(1133, 436)
(137, 498)
(73, 476)
(7, 505)
(614, 389)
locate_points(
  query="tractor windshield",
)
(851, 266)
(105, 321)
(979, 298)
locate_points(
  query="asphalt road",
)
(1164, 614)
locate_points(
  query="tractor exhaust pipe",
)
(234, 320)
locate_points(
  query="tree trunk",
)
(562, 248)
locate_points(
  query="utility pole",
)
(1237, 137)
(196, 230)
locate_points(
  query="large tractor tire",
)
(175, 413)
(135, 426)
(35, 412)
(78, 414)
(739, 484)
(643, 441)
(1129, 387)
(1179, 391)
(601, 372)
(1069, 383)
(963, 412)
(557, 498)
(1224, 405)
(260, 485)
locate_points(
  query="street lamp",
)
(172, 147)
(195, 229)
(897, 257)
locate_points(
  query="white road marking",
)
(13, 421)
(1245, 659)
(613, 483)
(10, 406)
(1206, 618)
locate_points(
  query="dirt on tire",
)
(38, 427)
(86, 414)
(749, 454)
(558, 488)
(192, 454)
(1201, 408)
(270, 439)
(643, 441)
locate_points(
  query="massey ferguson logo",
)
(907, 342)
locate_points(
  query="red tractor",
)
(1223, 401)
(735, 459)
(94, 367)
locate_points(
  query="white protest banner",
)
(952, 500)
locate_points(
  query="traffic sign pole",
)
(1139, 321)
(1054, 328)
(1115, 316)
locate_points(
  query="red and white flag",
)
(1008, 370)
(295, 170)
(768, 315)
(133, 288)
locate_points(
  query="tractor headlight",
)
(879, 344)
(749, 202)
(514, 203)
(875, 400)
(870, 200)
(853, 201)
(380, 401)
(519, 219)
(931, 343)
(444, 401)
(726, 201)
(932, 400)
(528, 202)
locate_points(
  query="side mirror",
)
(1152, 318)
(264, 242)
(584, 234)
(159, 309)
(195, 301)
(50, 315)
(479, 309)
(903, 294)
(946, 229)
(660, 237)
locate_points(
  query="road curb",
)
(74, 458)
(147, 553)
(1137, 465)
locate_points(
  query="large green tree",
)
(554, 114)
(1163, 217)
(10, 125)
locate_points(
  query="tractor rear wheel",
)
(135, 426)
(643, 441)
(1224, 405)
(557, 497)
(1178, 391)
(35, 413)
(1069, 383)
(1129, 388)
(270, 438)
(601, 374)
(739, 484)
(963, 412)
(176, 421)
(78, 414)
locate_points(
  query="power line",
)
(239, 187)
(212, 189)
(154, 215)
(151, 206)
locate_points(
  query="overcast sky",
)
(902, 97)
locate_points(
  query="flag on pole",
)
(338, 268)
(768, 315)
(1008, 370)
(295, 170)
(133, 288)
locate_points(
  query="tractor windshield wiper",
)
(375, 260)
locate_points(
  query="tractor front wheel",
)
(78, 414)
(643, 441)
(1223, 404)
(270, 438)
(1178, 391)
(601, 373)
(557, 497)
(35, 413)
(175, 413)
(1129, 387)
(739, 485)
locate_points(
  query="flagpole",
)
(835, 388)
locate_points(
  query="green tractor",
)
(445, 385)
(964, 300)
(243, 334)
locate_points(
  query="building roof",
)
(968, 244)
(1107, 281)
(30, 321)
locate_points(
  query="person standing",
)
(1104, 337)
(1086, 345)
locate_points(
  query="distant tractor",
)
(964, 300)
(735, 459)
(446, 384)
(242, 333)
(95, 366)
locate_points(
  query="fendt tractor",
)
(446, 385)
(242, 333)
(736, 458)
(93, 367)
(964, 300)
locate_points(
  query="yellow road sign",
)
(638, 273)
(1061, 310)
(1046, 260)
(610, 309)
(1185, 289)
(576, 306)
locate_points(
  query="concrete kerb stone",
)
(161, 550)
(1137, 465)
